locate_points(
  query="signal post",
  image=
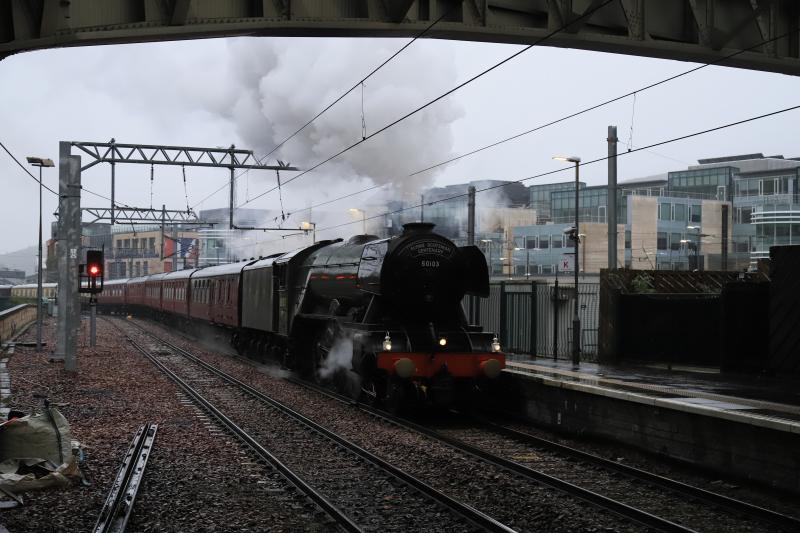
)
(94, 273)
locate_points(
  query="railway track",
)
(474, 436)
(359, 490)
(116, 510)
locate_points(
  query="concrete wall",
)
(509, 218)
(13, 320)
(643, 221)
(594, 246)
(711, 226)
(729, 447)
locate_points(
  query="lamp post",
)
(503, 266)
(488, 243)
(576, 321)
(356, 211)
(306, 226)
(39, 162)
(527, 262)
(697, 247)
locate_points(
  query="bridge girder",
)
(690, 30)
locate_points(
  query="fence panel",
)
(535, 318)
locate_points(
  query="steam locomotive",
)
(381, 318)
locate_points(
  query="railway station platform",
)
(748, 427)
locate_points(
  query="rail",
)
(262, 452)
(472, 515)
(630, 513)
(117, 508)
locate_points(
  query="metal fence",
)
(534, 318)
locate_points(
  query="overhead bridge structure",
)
(690, 30)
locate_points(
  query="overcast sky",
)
(253, 92)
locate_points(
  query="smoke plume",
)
(282, 83)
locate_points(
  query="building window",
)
(694, 213)
(544, 242)
(664, 211)
(680, 212)
(675, 241)
(662, 240)
(627, 239)
(558, 241)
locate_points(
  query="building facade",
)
(722, 214)
(148, 251)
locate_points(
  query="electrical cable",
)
(590, 162)
(563, 119)
(84, 189)
(342, 96)
(551, 172)
(185, 190)
(587, 13)
(28, 172)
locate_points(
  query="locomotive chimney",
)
(413, 228)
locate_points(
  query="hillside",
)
(24, 259)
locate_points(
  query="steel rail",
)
(467, 512)
(333, 511)
(621, 509)
(116, 509)
(731, 504)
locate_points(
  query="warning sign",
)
(566, 264)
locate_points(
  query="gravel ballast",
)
(197, 478)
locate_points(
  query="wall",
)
(733, 448)
(13, 320)
(711, 226)
(643, 221)
(594, 246)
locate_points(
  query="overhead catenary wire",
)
(583, 164)
(342, 96)
(447, 93)
(563, 119)
(555, 171)
(28, 172)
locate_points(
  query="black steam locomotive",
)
(379, 317)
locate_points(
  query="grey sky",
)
(252, 92)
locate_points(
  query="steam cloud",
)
(282, 83)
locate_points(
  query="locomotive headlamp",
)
(387, 343)
(495, 345)
(442, 341)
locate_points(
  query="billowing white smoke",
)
(339, 358)
(282, 83)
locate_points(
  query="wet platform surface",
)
(757, 400)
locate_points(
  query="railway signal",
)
(94, 271)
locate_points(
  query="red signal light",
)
(94, 270)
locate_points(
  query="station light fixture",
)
(387, 343)
(567, 158)
(442, 341)
(495, 345)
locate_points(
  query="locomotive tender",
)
(386, 312)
